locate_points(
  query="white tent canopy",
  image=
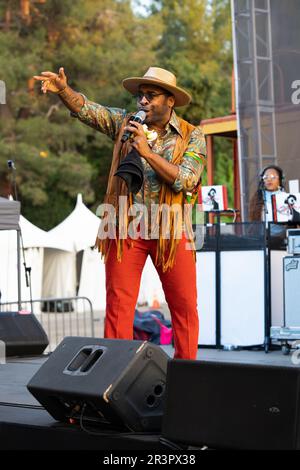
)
(59, 274)
(151, 290)
(79, 229)
(52, 258)
(78, 232)
(36, 243)
(34, 237)
(92, 277)
(92, 282)
(33, 240)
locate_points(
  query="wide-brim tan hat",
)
(162, 78)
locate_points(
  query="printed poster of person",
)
(213, 198)
(286, 207)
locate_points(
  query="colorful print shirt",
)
(109, 120)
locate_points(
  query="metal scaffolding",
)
(252, 41)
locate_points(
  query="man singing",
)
(172, 165)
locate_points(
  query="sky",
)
(140, 6)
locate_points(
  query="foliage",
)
(98, 43)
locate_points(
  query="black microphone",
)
(138, 117)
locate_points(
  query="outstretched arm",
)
(57, 84)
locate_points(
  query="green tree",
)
(98, 43)
(196, 46)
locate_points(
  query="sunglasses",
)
(270, 177)
(149, 96)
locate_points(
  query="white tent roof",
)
(79, 229)
(34, 237)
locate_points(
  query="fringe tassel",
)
(166, 248)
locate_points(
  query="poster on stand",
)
(286, 207)
(213, 198)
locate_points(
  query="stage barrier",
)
(68, 316)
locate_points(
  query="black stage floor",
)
(25, 425)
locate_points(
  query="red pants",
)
(179, 285)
